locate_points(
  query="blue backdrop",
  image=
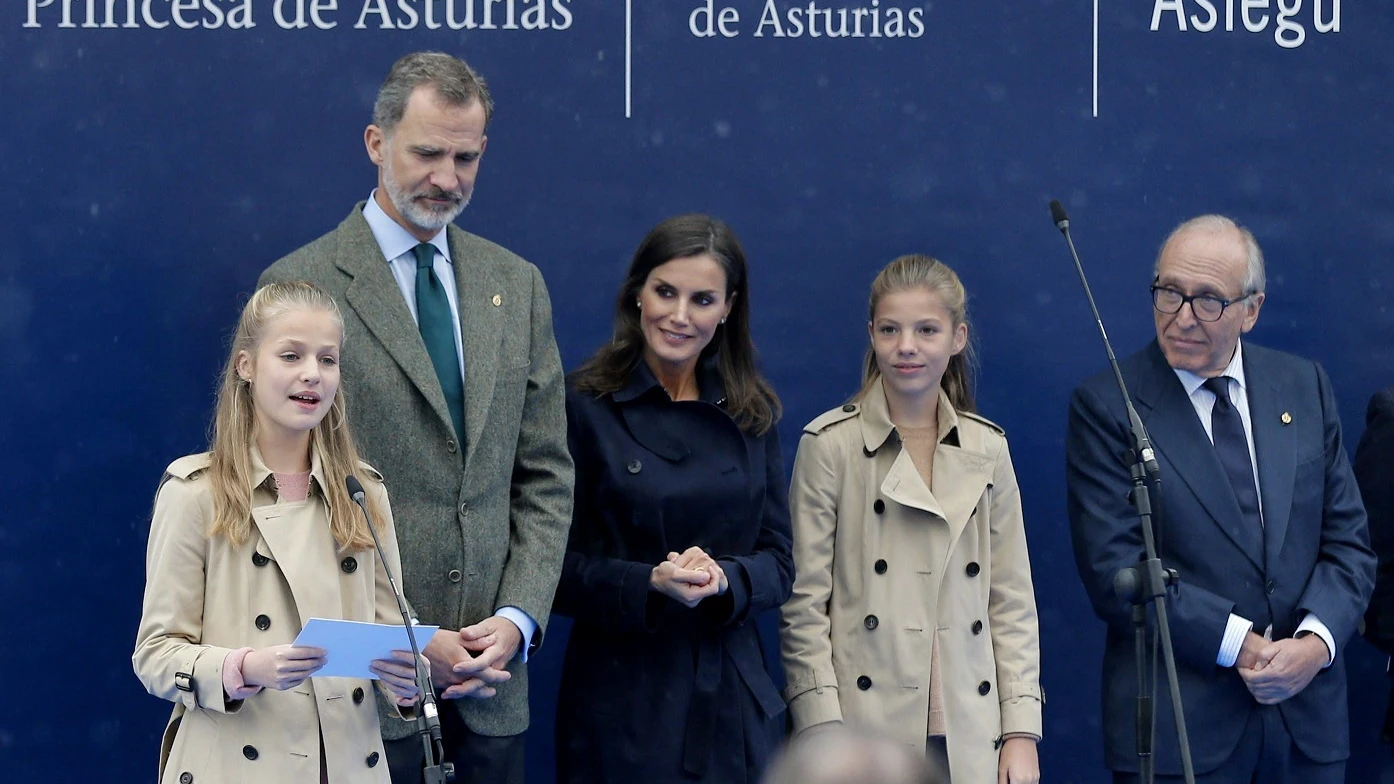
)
(152, 171)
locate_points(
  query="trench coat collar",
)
(261, 475)
(710, 386)
(876, 418)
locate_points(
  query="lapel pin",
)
(498, 300)
(1287, 418)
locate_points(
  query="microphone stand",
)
(436, 771)
(1148, 581)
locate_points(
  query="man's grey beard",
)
(423, 217)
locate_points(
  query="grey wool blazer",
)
(481, 525)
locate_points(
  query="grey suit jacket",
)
(481, 525)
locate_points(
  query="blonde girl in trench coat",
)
(912, 610)
(249, 540)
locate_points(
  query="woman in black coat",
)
(680, 535)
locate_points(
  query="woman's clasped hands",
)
(689, 577)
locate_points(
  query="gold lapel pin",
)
(1287, 418)
(498, 300)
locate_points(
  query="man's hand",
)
(492, 644)
(445, 651)
(1248, 653)
(1284, 668)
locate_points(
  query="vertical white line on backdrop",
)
(1096, 58)
(628, 55)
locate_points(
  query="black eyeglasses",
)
(1204, 306)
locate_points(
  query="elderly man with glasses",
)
(1257, 511)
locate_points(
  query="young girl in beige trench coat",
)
(251, 539)
(913, 612)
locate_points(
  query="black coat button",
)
(454, 576)
(635, 466)
(358, 696)
(1270, 586)
(879, 507)
(973, 569)
(984, 688)
(871, 622)
(260, 560)
(372, 760)
(849, 408)
(880, 566)
(186, 778)
(263, 622)
(250, 752)
(863, 683)
(977, 627)
(349, 565)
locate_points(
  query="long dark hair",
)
(750, 399)
(916, 271)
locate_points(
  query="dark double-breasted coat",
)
(652, 690)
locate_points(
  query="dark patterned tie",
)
(438, 333)
(1232, 447)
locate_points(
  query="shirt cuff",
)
(1236, 629)
(525, 624)
(1314, 625)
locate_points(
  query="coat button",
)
(263, 622)
(250, 752)
(451, 446)
(186, 778)
(972, 569)
(863, 683)
(871, 622)
(358, 696)
(372, 760)
(454, 575)
(464, 509)
(984, 688)
(635, 466)
(260, 560)
(849, 408)
(349, 565)
(879, 507)
(1270, 586)
(977, 627)
(880, 566)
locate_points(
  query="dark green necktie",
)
(438, 333)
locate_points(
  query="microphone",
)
(1142, 443)
(428, 721)
(1148, 581)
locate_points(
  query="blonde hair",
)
(917, 271)
(234, 428)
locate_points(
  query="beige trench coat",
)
(205, 598)
(870, 597)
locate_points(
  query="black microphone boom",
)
(428, 719)
(1148, 581)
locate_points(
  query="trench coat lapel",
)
(377, 300)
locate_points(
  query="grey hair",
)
(1255, 280)
(455, 82)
